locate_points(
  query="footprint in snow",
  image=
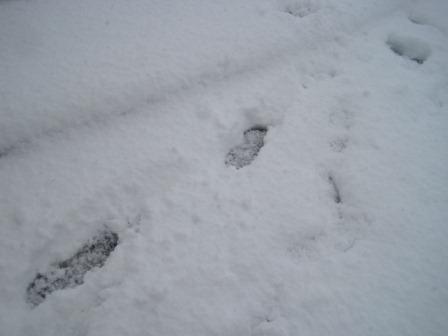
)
(419, 19)
(339, 144)
(243, 155)
(336, 192)
(301, 8)
(409, 47)
(70, 272)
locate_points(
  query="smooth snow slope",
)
(120, 115)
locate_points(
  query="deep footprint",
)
(243, 155)
(409, 47)
(70, 272)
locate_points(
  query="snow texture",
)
(221, 168)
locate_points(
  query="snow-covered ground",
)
(269, 167)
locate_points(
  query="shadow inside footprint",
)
(417, 19)
(409, 47)
(301, 9)
(70, 272)
(243, 155)
(336, 193)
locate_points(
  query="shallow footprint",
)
(409, 47)
(336, 192)
(70, 272)
(301, 8)
(243, 155)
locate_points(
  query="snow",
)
(119, 117)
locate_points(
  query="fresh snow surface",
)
(120, 116)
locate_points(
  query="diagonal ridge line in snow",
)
(187, 86)
(221, 74)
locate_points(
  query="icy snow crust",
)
(121, 115)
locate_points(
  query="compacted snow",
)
(197, 167)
